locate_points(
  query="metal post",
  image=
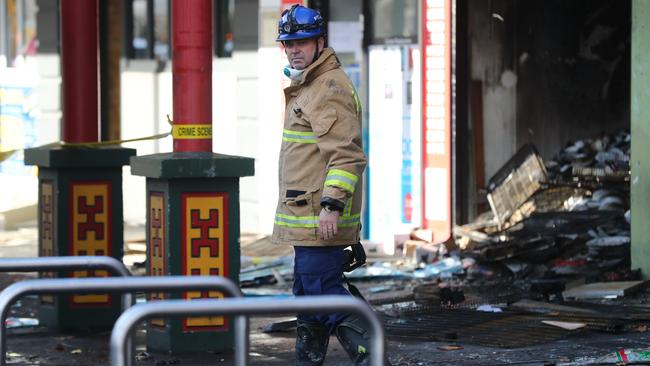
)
(258, 306)
(80, 71)
(192, 194)
(192, 75)
(115, 285)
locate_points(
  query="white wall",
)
(48, 90)
(140, 94)
(238, 100)
(20, 188)
(247, 121)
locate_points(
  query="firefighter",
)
(321, 164)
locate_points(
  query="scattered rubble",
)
(553, 226)
(143, 356)
(566, 217)
(621, 356)
(450, 347)
(14, 322)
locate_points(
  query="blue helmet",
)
(300, 22)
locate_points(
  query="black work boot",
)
(312, 339)
(354, 335)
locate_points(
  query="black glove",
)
(353, 258)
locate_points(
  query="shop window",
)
(394, 21)
(245, 29)
(147, 29)
(224, 11)
(17, 30)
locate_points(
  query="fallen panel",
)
(541, 307)
(603, 290)
(516, 182)
(564, 325)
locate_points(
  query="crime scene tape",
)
(203, 131)
(4, 155)
(178, 131)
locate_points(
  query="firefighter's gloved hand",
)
(328, 224)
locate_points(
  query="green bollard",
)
(80, 213)
(192, 229)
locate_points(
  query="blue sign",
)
(17, 126)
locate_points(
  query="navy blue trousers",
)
(318, 271)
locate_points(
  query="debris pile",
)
(568, 217)
(557, 230)
(550, 222)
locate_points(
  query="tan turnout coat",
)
(321, 157)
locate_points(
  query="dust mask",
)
(291, 73)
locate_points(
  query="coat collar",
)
(326, 61)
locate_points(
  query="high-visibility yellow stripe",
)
(343, 173)
(339, 183)
(289, 224)
(348, 207)
(357, 101)
(300, 141)
(300, 137)
(299, 133)
(349, 221)
(342, 179)
(289, 217)
(313, 221)
(296, 221)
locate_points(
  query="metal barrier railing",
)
(258, 306)
(69, 263)
(120, 285)
(66, 263)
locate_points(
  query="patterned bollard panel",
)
(193, 229)
(80, 213)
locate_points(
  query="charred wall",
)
(540, 71)
(573, 70)
(491, 55)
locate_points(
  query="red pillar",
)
(80, 69)
(437, 186)
(192, 75)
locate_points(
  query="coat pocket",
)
(299, 116)
(297, 218)
(295, 198)
(323, 122)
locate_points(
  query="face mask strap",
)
(316, 52)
